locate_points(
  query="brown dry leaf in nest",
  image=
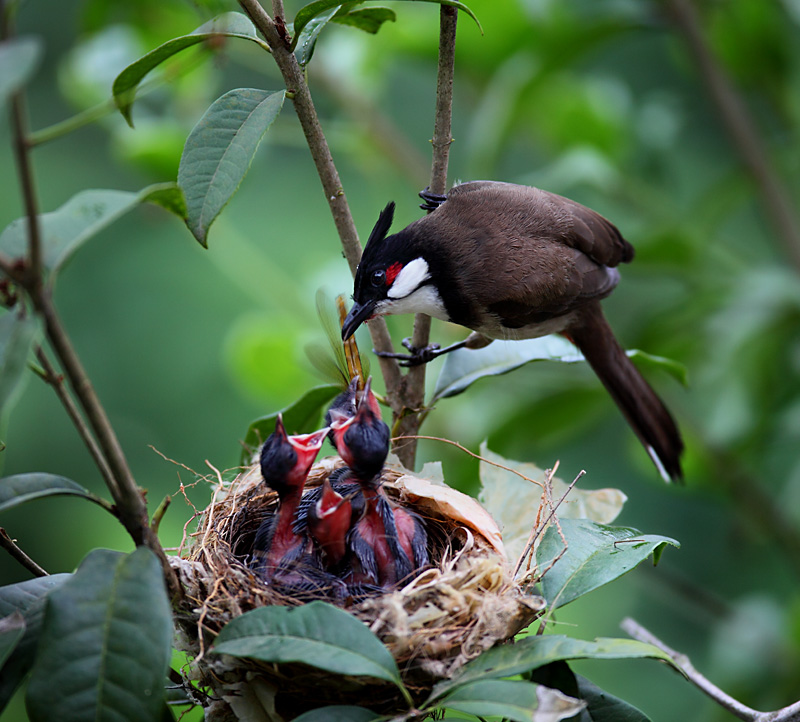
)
(426, 493)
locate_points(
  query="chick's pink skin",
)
(329, 523)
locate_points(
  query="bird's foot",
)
(415, 356)
(432, 200)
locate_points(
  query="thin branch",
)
(10, 546)
(57, 382)
(298, 91)
(442, 138)
(33, 270)
(736, 708)
(738, 122)
(129, 498)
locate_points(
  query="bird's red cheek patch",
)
(392, 271)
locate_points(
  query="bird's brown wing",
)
(532, 213)
(530, 295)
(556, 255)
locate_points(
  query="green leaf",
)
(79, 219)
(604, 707)
(340, 713)
(674, 368)
(307, 13)
(307, 40)
(516, 701)
(105, 642)
(18, 60)
(464, 367)
(12, 629)
(367, 19)
(219, 150)
(27, 598)
(227, 25)
(301, 417)
(18, 489)
(596, 554)
(316, 634)
(536, 651)
(17, 336)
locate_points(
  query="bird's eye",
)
(378, 278)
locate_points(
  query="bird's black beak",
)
(358, 314)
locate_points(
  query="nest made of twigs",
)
(464, 602)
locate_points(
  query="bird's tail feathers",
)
(643, 409)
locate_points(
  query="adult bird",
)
(513, 262)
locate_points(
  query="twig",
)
(740, 126)
(409, 424)
(57, 382)
(541, 528)
(10, 546)
(474, 456)
(682, 662)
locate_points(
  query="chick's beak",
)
(357, 315)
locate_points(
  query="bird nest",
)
(462, 603)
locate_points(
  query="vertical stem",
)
(331, 184)
(409, 424)
(740, 126)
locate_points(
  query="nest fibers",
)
(464, 602)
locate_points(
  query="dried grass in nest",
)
(450, 612)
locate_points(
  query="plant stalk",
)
(296, 85)
(408, 425)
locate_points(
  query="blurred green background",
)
(598, 100)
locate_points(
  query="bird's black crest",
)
(380, 230)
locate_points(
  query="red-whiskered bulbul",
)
(279, 551)
(513, 262)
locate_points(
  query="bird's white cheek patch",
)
(409, 278)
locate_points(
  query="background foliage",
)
(599, 101)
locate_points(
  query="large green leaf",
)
(340, 713)
(28, 599)
(516, 701)
(18, 59)
(535, 651)
(17, 336)
(219, 150)
(12, 629)
(307, 13)
(81, 217)
(316, 634)
(464, 367)
(596, 554)
(18, 489)
(229, 25)
(105, 642)
(303, 416)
